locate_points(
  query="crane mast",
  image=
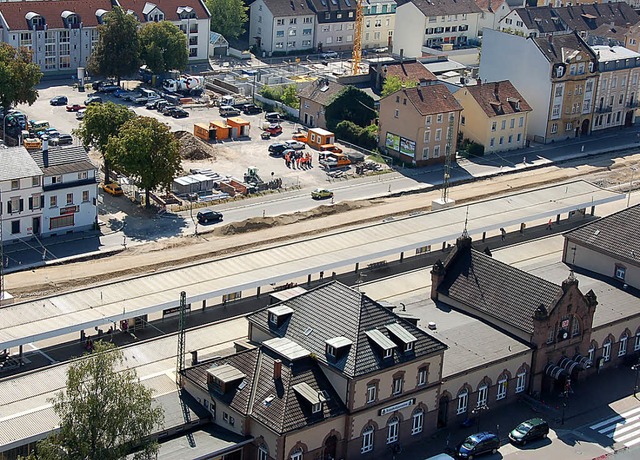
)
(357, 37)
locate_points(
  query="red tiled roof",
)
(489, 5)
(14, 12)
(409, 71)
(168, 7)
(431, 99)
(498, 98)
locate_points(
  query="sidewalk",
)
(589, 402)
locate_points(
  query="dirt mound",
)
(192, 148)
(259, 223)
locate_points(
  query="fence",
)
(279, 105)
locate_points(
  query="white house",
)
(20, 195)
(281, 26)
(69, 189)
(428, 23)
(379, 24)
(492, 13)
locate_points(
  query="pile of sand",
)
(192, 148)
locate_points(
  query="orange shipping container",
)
(222, 129)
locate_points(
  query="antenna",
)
(181, 338)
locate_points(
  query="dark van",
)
(529, 430)
(478, 444)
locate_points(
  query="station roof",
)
(49, 317)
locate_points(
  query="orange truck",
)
(334, 160)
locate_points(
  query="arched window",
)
(263, 452)
(367, 440)
(297, 454)
(606, 350)
(463, 402)
(392, 430)
(575, 326)
(502, 387)
(622, 349)
(417, 421)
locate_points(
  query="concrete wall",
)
(409, 32)
(514, 58)
(600, 263)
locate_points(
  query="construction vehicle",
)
(357, 38)
(333, 160)
(185, 85)
(32, 143)
(251, 177)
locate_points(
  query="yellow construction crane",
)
(357, 37)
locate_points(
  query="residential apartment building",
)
(492, 13)
(314, 99)
(420, 125)
(494, 115)
(616, 97)
(379, 24)
(335, 24)
(20, 195)
(363, 383)
(282, 26)
(62, 34)
(69, 190)
(408, 70)
(428, 23)
(557, 75)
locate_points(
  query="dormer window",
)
(35, 21)
(71, 20)
(331, 351)
(317, 407)
(402, 337)
(408, 347)
(388, 353)
(314, 397)
(382, 341)
(279, 314)
(152, 13)
(224, 377)
(186, 12)
(100, 15)
(337, 347)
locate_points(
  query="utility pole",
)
(447, 162)
(2, 291)
(181, 337)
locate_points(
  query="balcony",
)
(603, 109)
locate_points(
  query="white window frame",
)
(591, 354)
(371, 393)
(417, 423)
(367, 440)
(502, 389)
(393, 429)
(483, 393)
(463, 402)
(636, 345)
(622, 350)
(521, 380)
(422, 376)
(397, 385)
(606, 351)
(620, 272)
(297, 455)
(263, 453)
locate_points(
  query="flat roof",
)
(308, 393)
(211, 441)
(380, 339)
(48, 317)
(322, 132)
(226, 373)
(401, 333)
(286, 348)
(280, 310)
(339, 342)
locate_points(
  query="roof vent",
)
(432, 325)
(268, 400)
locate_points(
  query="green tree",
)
(290, 96)
(105, 413)
(163, 47)
(350, 104)
(18, 76)
(394, 83)
(146, 150)
(117, 53)
(228, 17)
(100, 122)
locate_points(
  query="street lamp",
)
(633, 170)
(477, 411)
(565, 397)
(635, 367)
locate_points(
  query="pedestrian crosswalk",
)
(623, 428)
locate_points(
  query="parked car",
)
(80, 114)
(62, 139)
(273, 117)
(113, 189)
(329, 55)
(478, 444)
(278, 147)
(167, 110)
(330, 148)
(296, 145)
(93, 100)
(108, 88)
(274, 129)
(59, 100)
(251, 109)
(179, 113)
(321, 193)
(75, 107)
(151, 105)
(302, 137)
(208, 215)
(48, 134)
(120, 92)
(229, 111)
(161, 104)
(529, 430)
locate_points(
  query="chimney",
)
(437, 276)
(423, 82)
(45, 151)
(277, 369)
(194, 357)
(401, 56)
(550, 38)
(495, 90)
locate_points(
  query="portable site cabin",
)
(223, 131)
(204, 131)
(318, 136)
(192, 184)
(239, 127)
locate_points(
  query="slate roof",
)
(14, 12)
(590, 17)
(560, 46)
(168, 7)
(444, 7)
(615, 235)
(63, 160)
(495, 289)
(16, 163)
(274, 403)
(336, 310)
(313, 92)
(281, 8)
(498, 98)
(610, 32)
(430, 99)
(543, 19)
(329, 5)
(408, 71)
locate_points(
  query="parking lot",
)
(232, 158)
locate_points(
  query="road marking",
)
(623, 428)
(617, 417)
(33, 347)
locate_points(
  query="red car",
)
(274, 129)
(75, 107)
